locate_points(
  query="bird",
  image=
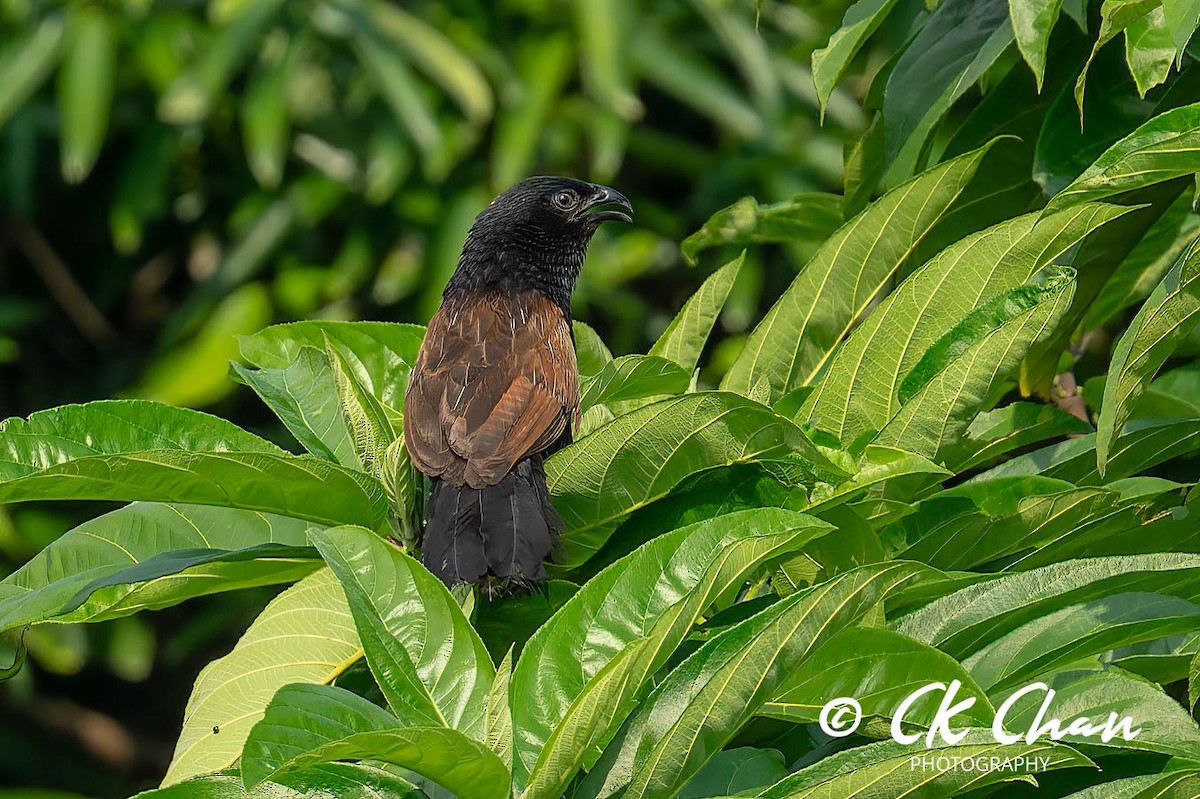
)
(494, 389)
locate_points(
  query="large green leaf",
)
(301, 718)
(1168, 316)
(428, 660)
(633, 377)
(381, 353)
(305, 635)
(1173, 785)
(703, 702)
(859, 392)
(343, 780)
(951, 51)
(879, 668)
(962, 622)
(304, 397)
(658, 591)
(445, 756)
(889, 769)
(1076, 632)
(1096, 693)
(736, 771)
(1149, 50)
(795, 339)
(952, 381)
(831, 61)
(27, 60)
(1166, 147)
(101, 549)
(1032, 21)
(640, 457)
(85, 88)
(308, 725)
(805, 217)
(136, 450)
(995, 433)
(1143, 445)
(109, 427)
(1141, 270)
(684, 339)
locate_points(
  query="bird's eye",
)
(564, 200)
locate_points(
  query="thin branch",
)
(61, 284)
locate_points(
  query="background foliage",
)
(961, 437)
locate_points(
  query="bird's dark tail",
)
(508, 529)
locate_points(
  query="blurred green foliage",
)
(175, 174)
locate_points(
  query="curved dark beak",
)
(608, 205)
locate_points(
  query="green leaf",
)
(1149, 50)
(499, 713)
(1182, 17)
(607, 699)
(879, 668)
(303, 395)
(1115, 16)
(26, 61)
(428, 660)
(887, 769)
(103, 548)
(830, 62)
(860, 390)
(305, 635)
(1174, 785)
(703, 702)
(796, 338)
(444, 756)
(1146, 263)
(400, 89)
(1164, 321)
(370, 428)
(191, 96)
(1194, 682)
(692, 80)
(633, 377)
(301, 718)
(381, 353)
(435, 55)
(1095, 693)
(602, 30)
(51, 437)
(962, 622)
(954, 378)
(266, 123)
(811, 216)
(734, 771)
(136, 450)
(544, 64)
(955, 47)
(590, 349)
(1032, 22)
(640, 457)
(684, 339)
(85, 88)
(1166, 147)
(653, 595)
(1076, 632)
(996, 433)
(302, 487)
(343, 780)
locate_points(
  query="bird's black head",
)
(535, 236)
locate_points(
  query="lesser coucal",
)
(495, 387)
